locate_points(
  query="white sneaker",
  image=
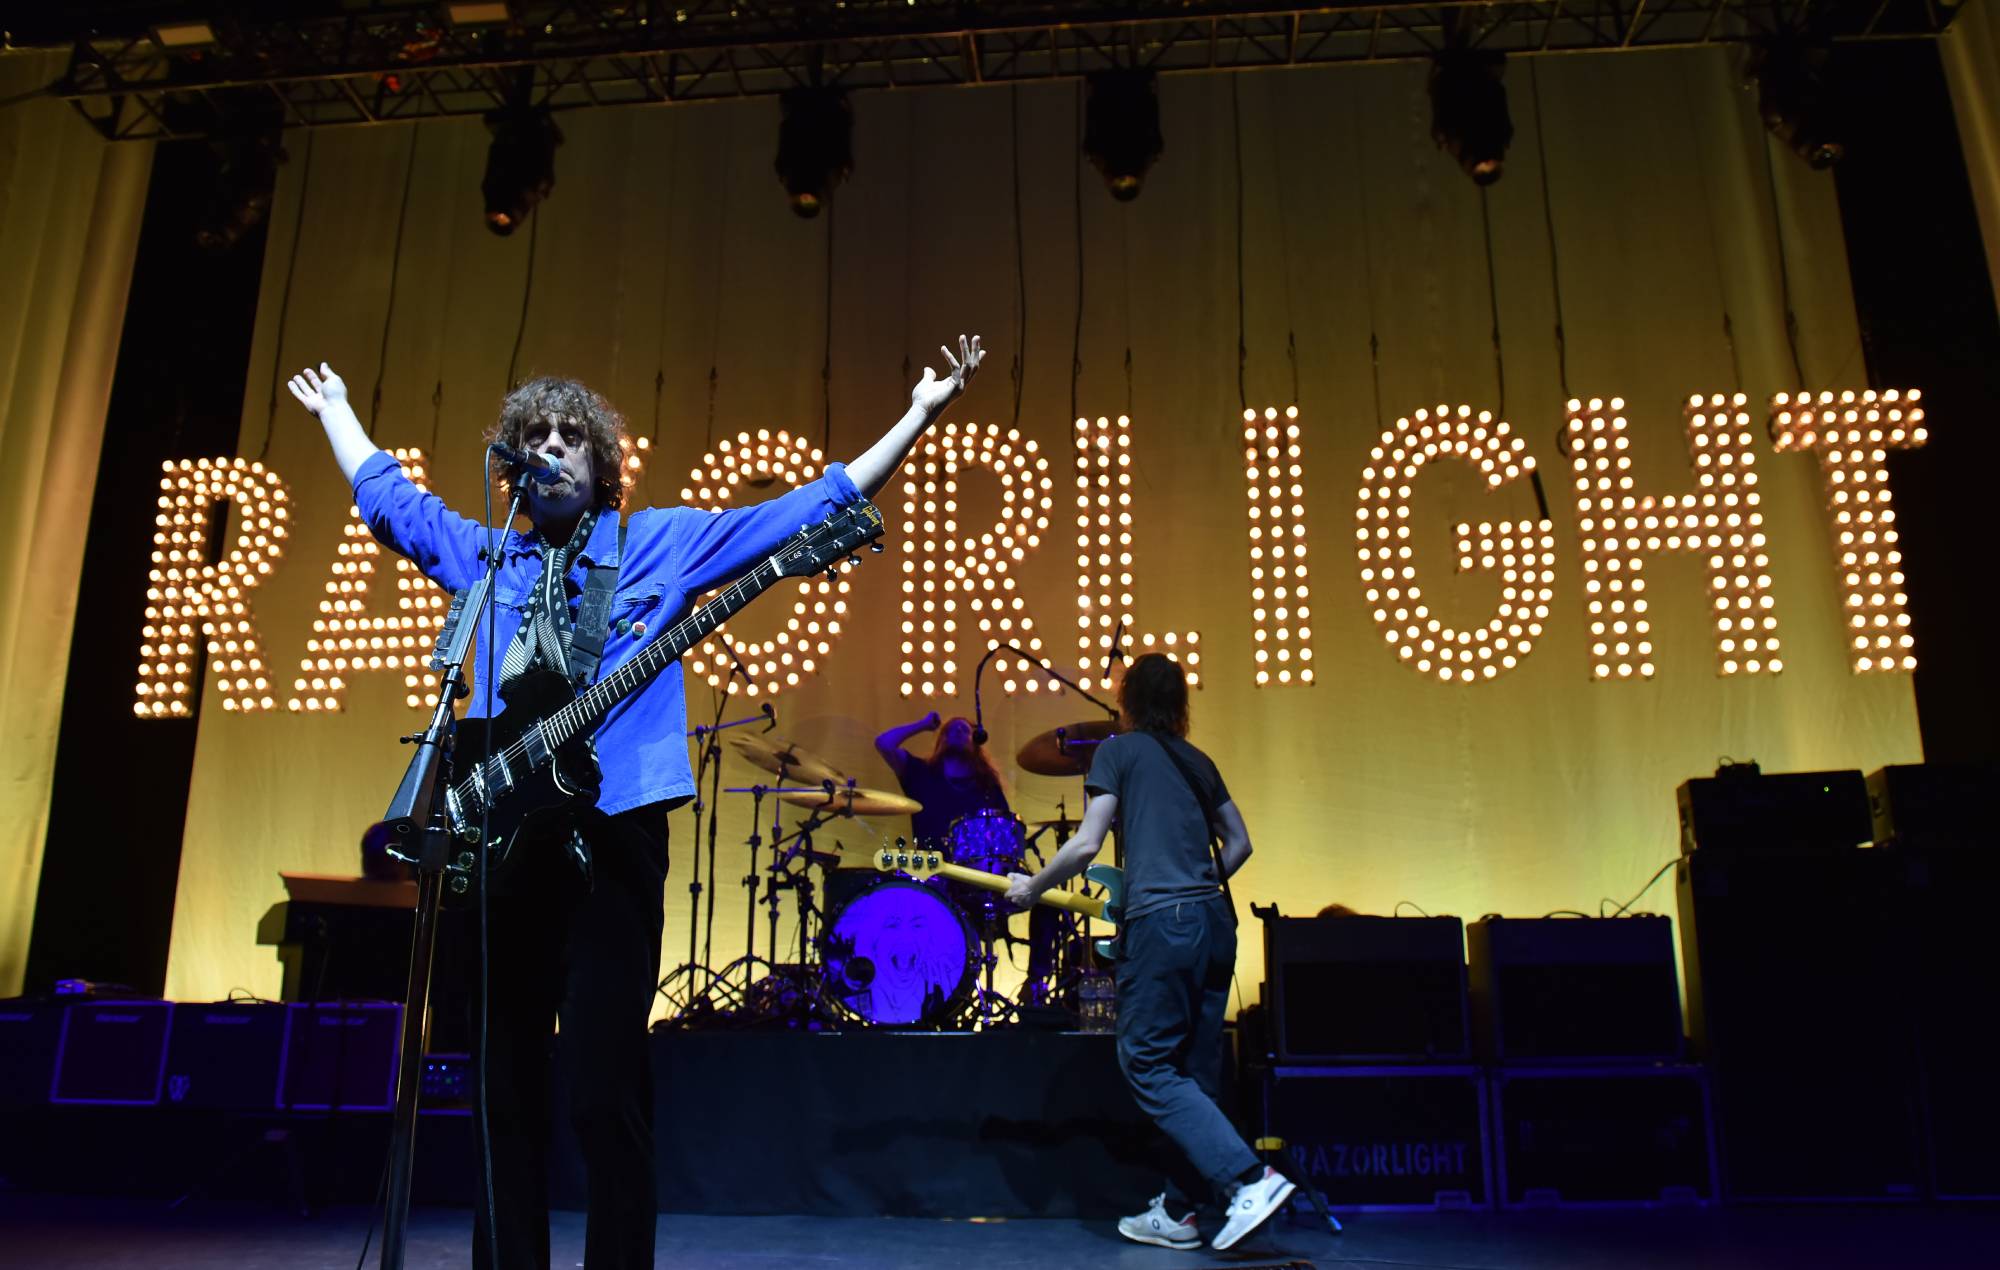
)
(1154, 1227)
(1253, 1204)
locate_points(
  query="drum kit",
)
(888, 949)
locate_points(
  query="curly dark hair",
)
(547, 397)
(1153, 696)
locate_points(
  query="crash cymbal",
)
(783, 758)
(846, 800)
(1067, 750)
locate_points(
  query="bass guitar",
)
(921, 863)
(541, 764)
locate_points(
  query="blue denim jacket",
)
(672, 555)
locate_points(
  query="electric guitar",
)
(541, 762)
(1109, 908)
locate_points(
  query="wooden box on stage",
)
(1385, 1138)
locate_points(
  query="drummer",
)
(956, 780)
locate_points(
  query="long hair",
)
(983, 770)
(546, 397)
(1153, 696)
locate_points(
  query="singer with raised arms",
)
(577, 922)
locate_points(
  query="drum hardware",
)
(692, 979)
(845, 798)
(789, 761)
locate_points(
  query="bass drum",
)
(899, 954)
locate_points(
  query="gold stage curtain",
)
(1971, 53)
(667, 247)
(70, 207)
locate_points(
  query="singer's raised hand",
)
(316, 390)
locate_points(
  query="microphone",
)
(771, 715)
(1117, 644)
(536, 467)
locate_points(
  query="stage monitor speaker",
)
(340, 1056)
(1554, 989)
(1384, 1137)
(30, 1028)
(225, 1055)
(1952, 992)
(1798, 986)
(112, 1052)
(1935, 805)
(1607, 1135)
(1367, 989)
(1743, 810)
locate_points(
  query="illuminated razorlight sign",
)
(959, 584)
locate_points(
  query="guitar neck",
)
(1082, 905)
(664, 650)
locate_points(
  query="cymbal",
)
(1065, 751)
(783, 758)
(848, 800)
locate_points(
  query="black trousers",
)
(589, 955)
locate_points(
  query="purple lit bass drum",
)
(899, 955)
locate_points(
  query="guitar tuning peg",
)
(875, 547)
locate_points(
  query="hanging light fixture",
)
(815, 146)
(521, 158)
(1793, 96)
(1469, 118)
(1121, 128)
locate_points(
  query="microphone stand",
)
(416, 829)
(979, 711)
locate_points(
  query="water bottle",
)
(1097, 1003)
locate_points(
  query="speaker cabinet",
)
(225, 1055)
(112, 1052)
(1567, 989)
(1385, 1137)
(1367, 989)
(1759, 812)
(1580, 1136)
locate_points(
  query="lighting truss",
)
(345, 62)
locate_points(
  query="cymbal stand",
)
(695, 970)
(799, 881)
(753, 880)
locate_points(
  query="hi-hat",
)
(783, 758)
(1067, 750)
(849, 800)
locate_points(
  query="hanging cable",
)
(1242, 344)
(1125, 284)
(1368, 274)
(666, 279)
(395, 268)
(1493, 302)
(1784, 270)
(527, 293)
(721, 264)
(1549, 223)
(1708, 209)
(826, 351)
(285, 299)
(1285, 262)
(1020, 255)
(444, 325)
(1076, 334)
(909, 222)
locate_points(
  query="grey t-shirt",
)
(1167, 856)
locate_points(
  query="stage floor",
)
(66, 1231)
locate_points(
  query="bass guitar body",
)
(528, 786)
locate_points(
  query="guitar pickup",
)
(536, 743)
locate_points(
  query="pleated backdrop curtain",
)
(70, 208)
(667, 250)
(1971, 53)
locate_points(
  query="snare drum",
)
(899, 953)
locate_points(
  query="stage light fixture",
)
(1121, 128)
(815, 146)
(1853, 433)
(177, 37)
(940, 566)
(185, 590)
(520, 160)
(1104, 552)
(477, 13)
(1794, 98)
(757, 460)
(1280, 594)
(1469, 118)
